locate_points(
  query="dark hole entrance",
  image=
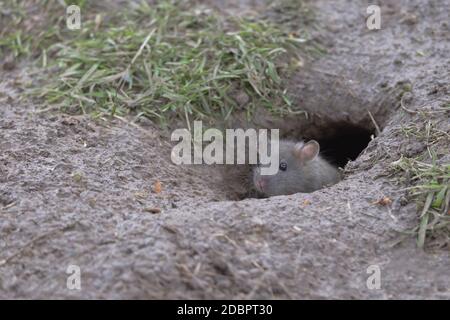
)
(343, 142)
(340, 142)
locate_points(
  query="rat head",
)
(292, 174)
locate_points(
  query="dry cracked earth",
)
(79, 191)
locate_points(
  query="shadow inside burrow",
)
(340, 142)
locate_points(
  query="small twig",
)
(404, 108)
(32, 242)
(12, 204)
(377, 128)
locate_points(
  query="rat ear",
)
(307, 151)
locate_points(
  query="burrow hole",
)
(340, 142)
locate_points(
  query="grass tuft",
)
(432, 193)
(430, 180)
(169, 60)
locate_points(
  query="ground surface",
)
(78, 191)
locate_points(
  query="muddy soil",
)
(103, 194)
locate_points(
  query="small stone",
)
(410, 19)
(153, 210)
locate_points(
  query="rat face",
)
(292, 175)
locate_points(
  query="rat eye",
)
(283, 166)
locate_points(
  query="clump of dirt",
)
(103, 194)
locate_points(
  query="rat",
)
(301, 169)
